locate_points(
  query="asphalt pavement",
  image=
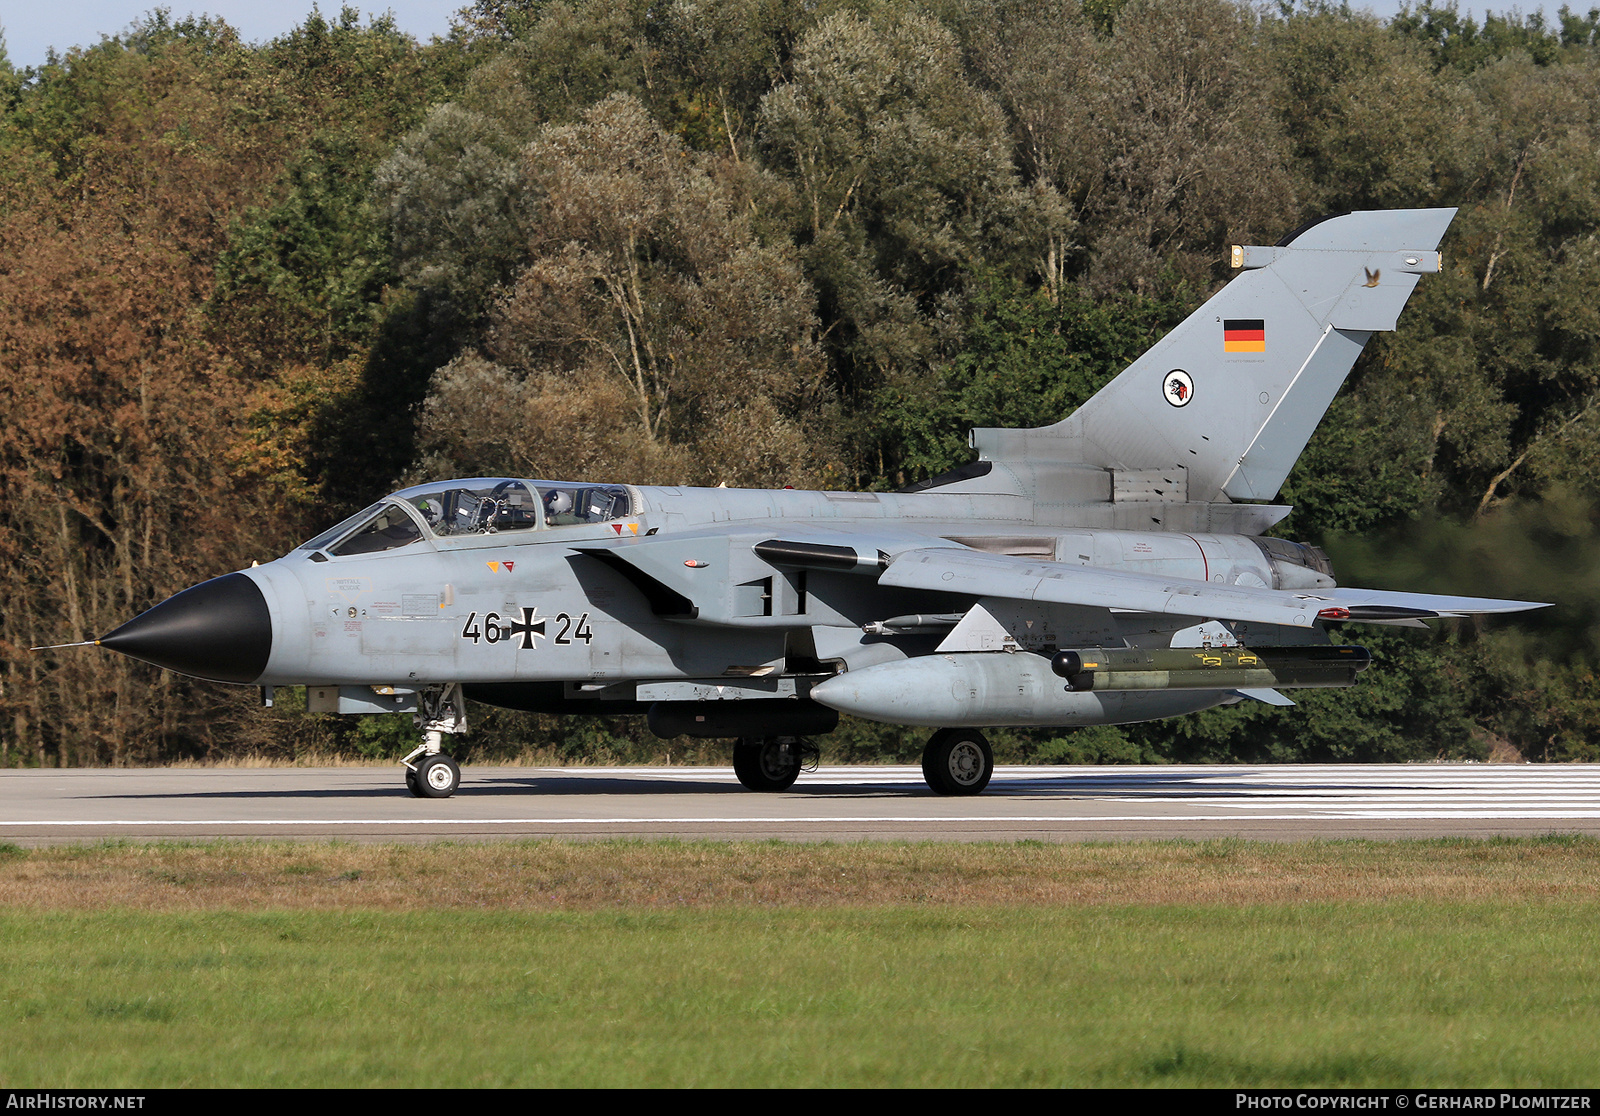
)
(1266, 802)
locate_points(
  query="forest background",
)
(246, 289)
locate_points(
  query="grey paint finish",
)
(1124, 524)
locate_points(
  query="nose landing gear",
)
(434, 774)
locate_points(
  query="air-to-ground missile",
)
(1209, 668)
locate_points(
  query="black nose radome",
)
(220, 630)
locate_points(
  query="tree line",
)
(244, 289)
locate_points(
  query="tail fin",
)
(1232, 394)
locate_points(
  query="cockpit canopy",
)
(482, 506)
(469, 508)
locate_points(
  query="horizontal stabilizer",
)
(1380, 606)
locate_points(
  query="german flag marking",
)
(1244, 335)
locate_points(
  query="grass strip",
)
(1212, 964)
(1361, 994)
(555, 874)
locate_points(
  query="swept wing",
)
(996, 575)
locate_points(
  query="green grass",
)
(1291, 994)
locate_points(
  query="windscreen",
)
(390, 529)
(338, 530)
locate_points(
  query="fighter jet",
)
(1110, 568)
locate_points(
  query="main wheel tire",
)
(437, 776)
(957, 761)
(411, 782)
(765, 764)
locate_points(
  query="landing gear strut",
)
(772, 763)
(957, 761)
(435, 775)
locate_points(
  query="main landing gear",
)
(433, 774)
(772, 763)
(957, 761)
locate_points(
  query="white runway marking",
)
(844, 819)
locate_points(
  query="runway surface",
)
(833, 804)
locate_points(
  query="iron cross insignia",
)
(528, 629)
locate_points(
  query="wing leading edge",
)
(997, 575)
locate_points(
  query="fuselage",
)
(543, 603)
(713, 610)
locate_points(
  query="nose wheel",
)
(429, 772)
(957, 761)
(435, 776)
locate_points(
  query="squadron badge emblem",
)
(1178, 388)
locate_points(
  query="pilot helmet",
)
(558, 502)
(432, 511)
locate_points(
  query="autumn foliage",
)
(245, 289)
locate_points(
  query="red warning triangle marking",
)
(617, 527)
(509, 566)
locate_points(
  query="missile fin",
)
(1267, 697)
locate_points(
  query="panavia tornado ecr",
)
(1110, 568)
